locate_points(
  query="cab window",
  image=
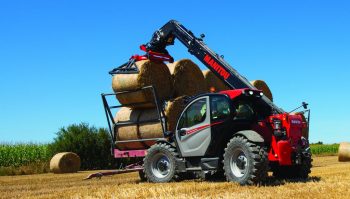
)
(244, 111)
(220, 107)
(194, 114)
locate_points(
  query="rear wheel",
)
(245, 162)
(159, 163)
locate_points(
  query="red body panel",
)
(234, 93)
(154, 56)
(282, 150)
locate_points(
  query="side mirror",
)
(182, 132)
(305, 105)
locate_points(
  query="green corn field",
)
(16, 155)
(324, 149)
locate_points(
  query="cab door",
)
(193, 132)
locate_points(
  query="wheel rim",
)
(161, 166)
(239, 163)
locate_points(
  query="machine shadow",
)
(272, 181)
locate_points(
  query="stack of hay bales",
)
(141, 131)
(150, 74)
(187, 78)
(214, 84)
(173, 110)
(172, 83)
(261, 85)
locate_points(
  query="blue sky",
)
(55, 56)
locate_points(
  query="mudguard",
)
(251, 135)
(164, 141)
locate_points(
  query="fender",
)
(171, 144)
(164, 141)
(251, 135)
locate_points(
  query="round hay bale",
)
(65, 162)
(344, 152)
(214, 84)
(305, 131)
(188, 79)
(150, 74)
(261, 85)
(137, 131)
(173, 110)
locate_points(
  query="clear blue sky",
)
(55, 55)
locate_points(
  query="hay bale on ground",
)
(214, 84)
(261, 85)
(187, 78)
(344, 152)
(173, 110)
(150, 73)
(65, 162)
(137, 131)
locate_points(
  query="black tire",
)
(159, 163)
(301, 171)
(142, 176)
(245, 162)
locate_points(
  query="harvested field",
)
(329, 179)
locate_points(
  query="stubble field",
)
(329, 179)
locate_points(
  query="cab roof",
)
(232, 94)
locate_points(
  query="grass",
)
(329, 179)
(22, 158)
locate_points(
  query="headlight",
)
(277, 124)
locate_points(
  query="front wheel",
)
(245, 162)
(159, 163)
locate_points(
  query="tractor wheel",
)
(303, 170)
(142, 176)
(159, 163)
(245, 162)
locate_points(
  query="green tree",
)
(93, 145)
